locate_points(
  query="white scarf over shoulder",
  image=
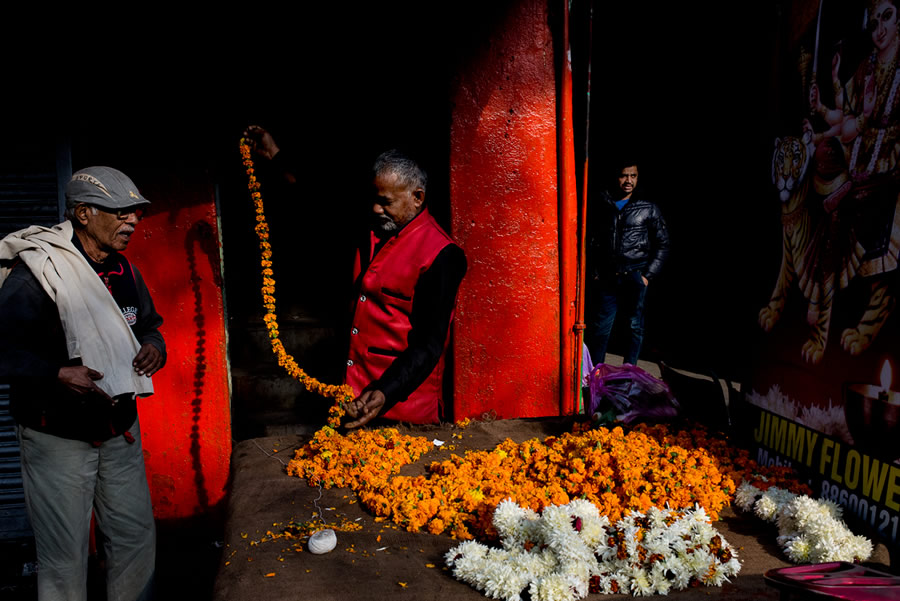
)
(96, 332)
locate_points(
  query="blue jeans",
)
(620, 292)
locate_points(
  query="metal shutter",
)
(32, 192)
(32, 187)
(13, 521)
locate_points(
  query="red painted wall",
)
(186, 424)
(503, 191)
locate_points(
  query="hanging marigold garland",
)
(343, 393)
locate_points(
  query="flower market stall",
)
(411, 505)
(552, 509)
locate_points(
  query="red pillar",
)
(568, 225)
(186, 424)
(504, 209)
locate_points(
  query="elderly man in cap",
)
(79, 342)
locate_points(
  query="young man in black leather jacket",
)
(627, 245)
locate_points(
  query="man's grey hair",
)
(393, 161)
(70, 214)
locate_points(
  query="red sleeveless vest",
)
(382, 310)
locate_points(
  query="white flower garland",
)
(569, 550)
(809, 530)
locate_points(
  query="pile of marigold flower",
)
(730, 460)
(359, 459)
(618, 472)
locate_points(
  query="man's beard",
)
(384, 226)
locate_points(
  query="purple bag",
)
(633, 393)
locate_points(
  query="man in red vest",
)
(406, 275)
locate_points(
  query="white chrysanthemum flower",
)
(781, 496)
(626, 522)
(514, 524)
(465, 551)
(599, 547)
(787, 537)
(679, 536)
(502, 578)
(658, 517)
(810, 530)
(776, 402)
(556, 518)
(771, 503)
(659, 582)
(657, 541)
(698, 514)
(559, 534)
(497, 578)
(680, 546)
(859, 547)
(734, 565)
(507, 516)
(622, 576)
(824, 550)
(579, 572)
(572, 533)
(546, 561)
(717, 577)
(470, 570)
(640, 583)
(746, 495)
(553, 587)
(702, 532)
(766, 508)
(579, 582)
(698, 562)
(836, 511)
(677, 566)
(593, 526)
(582, 507)
(631, 541)
(605, 584)
(608, 555)
(803, 513)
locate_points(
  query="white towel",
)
(96, 331)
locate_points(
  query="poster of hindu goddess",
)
(829, 348)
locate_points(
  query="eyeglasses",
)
(122, 214)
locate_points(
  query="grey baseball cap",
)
(104, 187)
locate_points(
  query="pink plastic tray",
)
(836, 580)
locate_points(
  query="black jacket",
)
(632, 239)
(33, 348)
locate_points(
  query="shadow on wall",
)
(200, 234)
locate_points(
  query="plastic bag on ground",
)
(631, 393)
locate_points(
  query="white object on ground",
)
(322, 541)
